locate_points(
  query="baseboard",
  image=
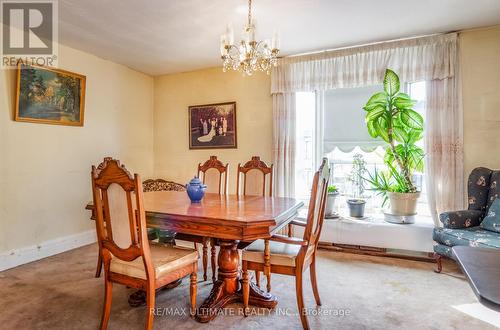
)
(17, 257)
(378, 252)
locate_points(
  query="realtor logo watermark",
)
(29, 32)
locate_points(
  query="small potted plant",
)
(333, 192)
(357, 203)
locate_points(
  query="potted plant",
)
(333, 192)
(357, 203)
(390, 116)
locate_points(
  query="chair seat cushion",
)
(281, 253)
(491, 221)
(165, 259)
(474, 236)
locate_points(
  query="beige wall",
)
(480, 56)
(45, 169)
(174, 93)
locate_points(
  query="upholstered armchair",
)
(464, 227)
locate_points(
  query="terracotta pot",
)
(403, 203)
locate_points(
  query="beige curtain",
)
(416, 59)
(444, 147)
(284, 144)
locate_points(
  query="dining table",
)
(230, 220)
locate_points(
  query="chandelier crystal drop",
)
(248, 55)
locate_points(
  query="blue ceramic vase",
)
(195, 190)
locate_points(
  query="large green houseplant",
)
(390, 116)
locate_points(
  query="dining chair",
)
(289, 255)
(252, 177)
(147, 186)
(128, 257)
(253, 174)
(213, 173)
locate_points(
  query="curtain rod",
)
(364, 45)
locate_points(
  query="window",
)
(305, 144)
(331, 124)
(417, 91)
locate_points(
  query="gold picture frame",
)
(49, 96)
(213, 126)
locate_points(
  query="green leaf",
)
(375, 113)
(378, 98)
(388, 157)
(412, 119)
(414, 135)
(372, 130)
(391, 82)
(416, 158)
(399, 133)
(381, 126)
(370, 107)
(402, 102)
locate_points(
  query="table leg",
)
(226, 289)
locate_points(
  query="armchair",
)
(463, 227)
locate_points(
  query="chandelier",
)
(249, 55)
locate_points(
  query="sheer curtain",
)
(417, 59)
(432, 59)
(284, 143)
(444, 147)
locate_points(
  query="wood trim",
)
(372, 251)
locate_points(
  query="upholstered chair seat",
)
(165, 260)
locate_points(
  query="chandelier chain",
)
(249, 12)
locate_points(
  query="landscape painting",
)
(212, 126)
(50, 96)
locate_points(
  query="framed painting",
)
(50, 96)
(212, 126)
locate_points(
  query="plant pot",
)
(330, 203)
(403, 203)
(356, 207)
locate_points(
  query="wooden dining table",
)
(231, 220)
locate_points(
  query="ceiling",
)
(165, 36)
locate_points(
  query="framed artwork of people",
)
(212, 126)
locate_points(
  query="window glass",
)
(305, 144)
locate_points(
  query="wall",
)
(480, 61)
(174, 93)
(45, 169)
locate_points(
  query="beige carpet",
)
(358, 292)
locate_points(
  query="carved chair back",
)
(120, 215)
(256, 175)
(213, 173)
(317, 202)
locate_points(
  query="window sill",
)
(376, 232)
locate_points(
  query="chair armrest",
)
(461, 219)
(298, 223)
(288, 240)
